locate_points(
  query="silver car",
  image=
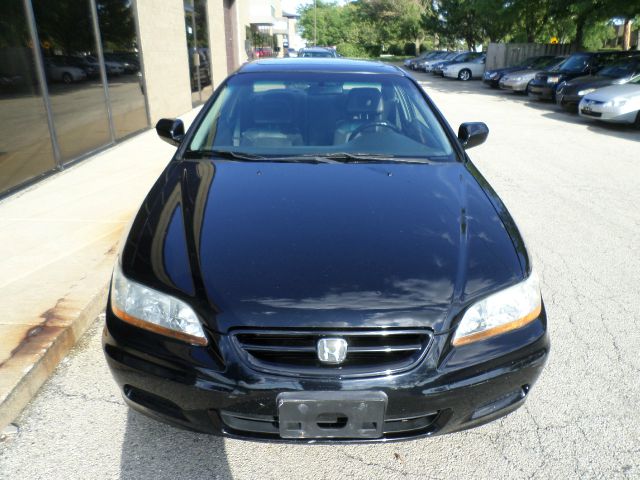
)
(616, 103)
(57, 71)
(466, 70)
(519, 81)
(427, 65)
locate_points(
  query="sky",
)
(291, 6)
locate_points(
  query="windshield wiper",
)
(222, 154)
(357, 157)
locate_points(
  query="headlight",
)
(553, 79)
(158, 312)
(616, 102)
(494, 74)
(515, 79)
(581, 93)
(507, 310)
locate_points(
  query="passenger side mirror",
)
(472, 134)
(170, 130)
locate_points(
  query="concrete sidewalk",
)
(59, 240)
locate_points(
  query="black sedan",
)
(545, 84)
(492, 77)
(570, 93)
(321, 261)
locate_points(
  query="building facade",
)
(77, 76)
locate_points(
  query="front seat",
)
(364, 105)
(272, 120)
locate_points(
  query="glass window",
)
(25, 144)
(575, 63)
(75, 91)
(272, 114)
(199, 53)
(122, 62)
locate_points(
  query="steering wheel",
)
(367, 126)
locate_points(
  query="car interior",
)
(272, 115)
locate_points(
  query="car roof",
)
(338, 65)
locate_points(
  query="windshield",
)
(619, 70)
(536, 62)
(575, 63)
(316, 114)
(317, 54)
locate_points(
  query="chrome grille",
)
(369, 352)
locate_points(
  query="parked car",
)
(438, 68)
(544, 84)
(112, 68)
(318, 52)
(290, 52)
(262, 52)
(520, 80)
(57, 71)
(492, 77)
(570, 93)
(324, 263)
(92, 69)
(466, 70)
(427, 65)
(412, 63)
(616, 103)
(129, 61)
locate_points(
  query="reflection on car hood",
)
(324, 245)
(628, 90)
(588, 81)
(524, 73)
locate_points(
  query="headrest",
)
(273, 107)
(364, 100)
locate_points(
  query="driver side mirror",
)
(170, 130)
(472, 134)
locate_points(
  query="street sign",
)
(554, 40)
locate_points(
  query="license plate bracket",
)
(331, 414)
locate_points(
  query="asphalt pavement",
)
(572, 186)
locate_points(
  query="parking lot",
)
(571, 185)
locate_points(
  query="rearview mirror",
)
(170, 130)
(472, 134)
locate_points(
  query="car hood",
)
(588, 81)
(524, 73)
(324, 245)
(505, 70)
(607, 93)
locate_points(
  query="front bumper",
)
(607, 114)
(450, 73)
(568, 101)
(514, 85)
(542, 91)
(213, 390)
(493, 82)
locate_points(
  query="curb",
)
(53, 348)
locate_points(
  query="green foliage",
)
(400, 27)
(351, 50)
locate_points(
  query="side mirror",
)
(170, 130)
(472, 134)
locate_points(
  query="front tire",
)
(464, 75)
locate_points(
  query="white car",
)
(466, 70)
(616, 103)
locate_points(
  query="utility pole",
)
(315, 23)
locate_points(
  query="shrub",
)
(350, 50)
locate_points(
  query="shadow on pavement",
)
(153, 450)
